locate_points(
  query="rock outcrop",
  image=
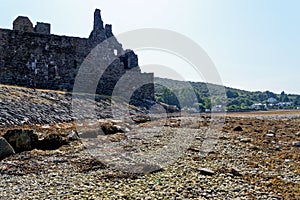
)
(5, 149)
(21, 140)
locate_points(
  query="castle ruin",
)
(33, 57)
(23, 23)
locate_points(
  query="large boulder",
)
(21, 140)
(170, 108)
(5, 149)
(110, 128)
(141, 119)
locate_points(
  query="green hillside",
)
(198, 95)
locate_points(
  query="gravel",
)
(177, 158)
(232, 170)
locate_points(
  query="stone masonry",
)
(32, 57)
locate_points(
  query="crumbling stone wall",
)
(43, 28)
(40, 60)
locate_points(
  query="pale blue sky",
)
(255, 44)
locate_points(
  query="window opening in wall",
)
(116, 52)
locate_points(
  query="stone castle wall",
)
(47, 61)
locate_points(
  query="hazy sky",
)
(255, 44)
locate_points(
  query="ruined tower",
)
(98, 33)
(98, 23)
(23, 23)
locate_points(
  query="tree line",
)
(202, 96)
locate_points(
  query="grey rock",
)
(277, 148)
(89, 134)
(206, 171)
(257, 130)
(194, 149)
(5, 149)
(296, 143)
(246, 140)
(270, 135)
(169, 108)
(141, 118)
(235, 171)
(109, 128)
(73, 136)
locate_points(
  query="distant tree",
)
(297, 101)
(231, 94)
(201, 107)
(284, 97)
(207, 103)
(235, 102)
(167, 96)
(262, 97)
(199, 98)
(233, 108)
(271, 94)
(187, 97)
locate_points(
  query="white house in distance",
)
(259, 106)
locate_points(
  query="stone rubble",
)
(262, 168)
(22, 106)
(231, 171)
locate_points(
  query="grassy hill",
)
(204, 96)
